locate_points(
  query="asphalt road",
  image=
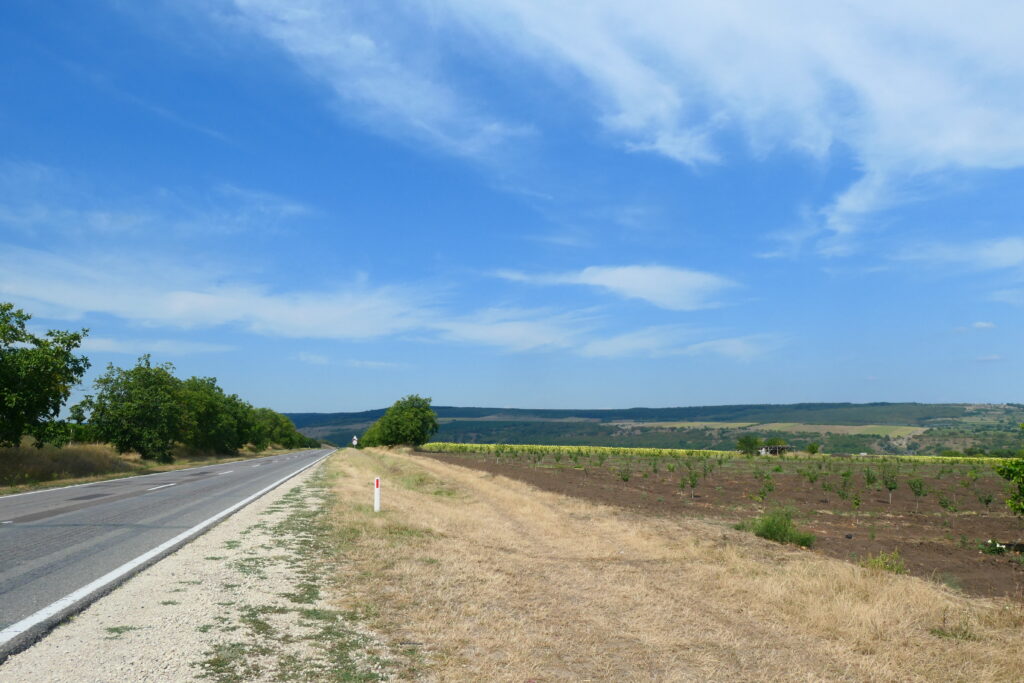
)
(56, 542)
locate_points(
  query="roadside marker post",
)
(376, 494)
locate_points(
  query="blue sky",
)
(329, 205)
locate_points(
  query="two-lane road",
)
(61, 548)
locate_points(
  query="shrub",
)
(777, 525)
(991, 547)
(888, 562)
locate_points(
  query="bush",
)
(409, 422)
(888, 562)
(777, 525)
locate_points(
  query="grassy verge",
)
(28, 468)
(286, 630)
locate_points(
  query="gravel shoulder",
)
(241, 602)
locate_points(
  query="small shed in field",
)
(773, 450)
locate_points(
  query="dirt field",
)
(937, 544)
(474, 577)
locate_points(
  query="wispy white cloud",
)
(187, 299)
(741, 348)
(649, 341)
(1009, 296)
(674, 340)
(312, 358)
(516, 329)
(909, 89)
(38, 199)
(982, 325)
(372, 364)
(675, 289)
(992, 254)
(137, 347)
(991, 358)
(376, 67)
(125, 286)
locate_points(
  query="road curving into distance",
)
(62, 548)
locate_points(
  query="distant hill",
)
(882, 427)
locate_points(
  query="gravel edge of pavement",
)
(242, 601)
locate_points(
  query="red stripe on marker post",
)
(376, 494)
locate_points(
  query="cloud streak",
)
(993, 254)
(372, 72)
(674, 289)
(908, 89)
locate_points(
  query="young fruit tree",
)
(1013, 471)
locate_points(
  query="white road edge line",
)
(163, 486)
(220, 473)
(58, 606)
(140, 476)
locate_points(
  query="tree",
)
(812, 448)
(140, 409)
(1013, 471)
(270, 427)
(748, 444)
(889, 480)
(36, 377)
(409, 422)
(213, 420)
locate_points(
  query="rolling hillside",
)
(840, 427)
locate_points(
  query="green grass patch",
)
(777, 525)
(886, 562)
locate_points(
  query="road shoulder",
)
(242, 602)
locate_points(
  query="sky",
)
(515, 203)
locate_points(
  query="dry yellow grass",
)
(500, 581)
(26, 467)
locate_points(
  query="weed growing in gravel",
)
(117, 631)
(333, 650)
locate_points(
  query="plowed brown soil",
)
(936, 544)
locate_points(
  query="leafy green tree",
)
(748, 444)
(1013, 471)
(213, 420)
(140, 409)
(36, 377)
(812, 448)
(409, 422)
(270, 427)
